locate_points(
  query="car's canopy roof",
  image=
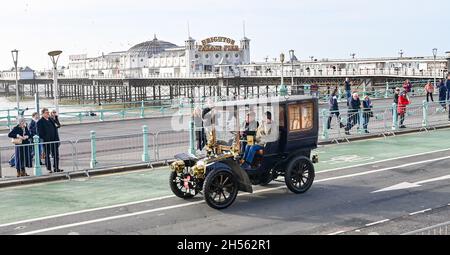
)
(262, 101)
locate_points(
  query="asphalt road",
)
(341, 201)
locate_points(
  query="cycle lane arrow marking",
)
(408, 185)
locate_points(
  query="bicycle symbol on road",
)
(347, 159)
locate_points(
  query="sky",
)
(319, 28)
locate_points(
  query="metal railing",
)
(440, 229)
(148, 148)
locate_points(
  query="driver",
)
(263, 136)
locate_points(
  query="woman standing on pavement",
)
(429, 88)
(403, 101)
(20, 136)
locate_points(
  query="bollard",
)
(93, 150)
(80, 117)
(394, 117)
(386, 95)
(145, 154)
(37, 157)
(425, 114)
(361, 121)
(325, 134)
(102, 116)
(142, 110)
(9, 119)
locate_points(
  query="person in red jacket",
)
(403, 101)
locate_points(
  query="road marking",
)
(172, 196)
(84, 211)
(337, 233)
(408, 185)
(420, 212)
(381, 161)
(376, 223)
(383, 169)
(200, 202)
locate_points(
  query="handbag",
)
(16, 141)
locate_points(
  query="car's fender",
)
(230, 165)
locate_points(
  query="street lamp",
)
(401, 52)
(312, 58)
(283, 88)
(435, 51)
(292, 57)
(15, 56)
(353, 55)
(54, 56)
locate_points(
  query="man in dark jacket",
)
(334, 109)
(48, 132)
(353, 112)
(348, 90)
(442, 94)
(447, 85)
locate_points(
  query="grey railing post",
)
(325, 134)
(145, 154)
(93, 150)
(9, 119)
(394, 117)
(361, 121)
(425, 113)
(37, 157)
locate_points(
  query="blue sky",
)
(320, 28)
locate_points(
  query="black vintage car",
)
(220, 174)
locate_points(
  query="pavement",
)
(343, 199)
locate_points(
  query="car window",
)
(300, 117)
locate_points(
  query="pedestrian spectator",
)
(334, 109)
(367, 113)
(48, 132)
(54, 117)
(348, 90)
(403, 101)
(396, 95)
(199, 129)
(447, 86)
(442, 94)
(353, 112)
(429, 88)
(20, 136)
(407, 86)
(34, 132)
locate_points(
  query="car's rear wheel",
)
(220, 189)
(299, 175)
(182, 185)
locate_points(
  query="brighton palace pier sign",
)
(228, 44)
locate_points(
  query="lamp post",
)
(15, 56)
(435, 51)
(353, 55)
(292, 56)
(312, 58)
(401, 52)
(283, 88)
(54, 56)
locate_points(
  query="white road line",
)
(376, 223)
(85, 211)
(383, 169)
(337, 233)
(200, 202)
(264, 190)
(419, 212)
(381, 161)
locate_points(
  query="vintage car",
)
(220, 174)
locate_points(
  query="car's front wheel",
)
(182, 185)
(220, 189)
